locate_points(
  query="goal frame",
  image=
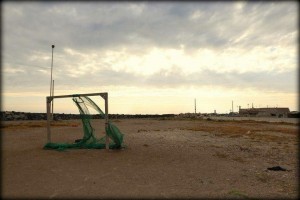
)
(50, 99)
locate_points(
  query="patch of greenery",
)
(238, 194)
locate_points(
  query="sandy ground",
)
(162, 159)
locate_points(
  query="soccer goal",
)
(113, 137)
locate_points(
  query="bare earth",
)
(162, 159)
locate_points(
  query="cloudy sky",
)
(151, 57)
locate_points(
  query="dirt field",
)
(162, 159)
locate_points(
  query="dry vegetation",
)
(243, 127)
(163, 159)
(36, 124)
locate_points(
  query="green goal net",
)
(89, 140)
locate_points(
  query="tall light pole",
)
(52, 95)
(51, 77)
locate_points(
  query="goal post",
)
(49, 99)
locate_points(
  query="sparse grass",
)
(262, 178)
(38, 124)
(215, 146)
(65, 123)
(254, 130)
(235, 136)
(221, 155)
(266, 137)
(239, 159)
(238, 194)
(238, 129)
(142, 130)
(165, 118)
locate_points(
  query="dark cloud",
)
(99, 25)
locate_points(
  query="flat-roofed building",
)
(265, 112)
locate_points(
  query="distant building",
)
(265, 112)
(233, 114)
(294, 114)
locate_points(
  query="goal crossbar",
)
(103, 95)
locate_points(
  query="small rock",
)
(277, 168)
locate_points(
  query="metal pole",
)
(51, 71)
(52, 100)
(48, 105)
(106, 122)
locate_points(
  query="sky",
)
(151, 57)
